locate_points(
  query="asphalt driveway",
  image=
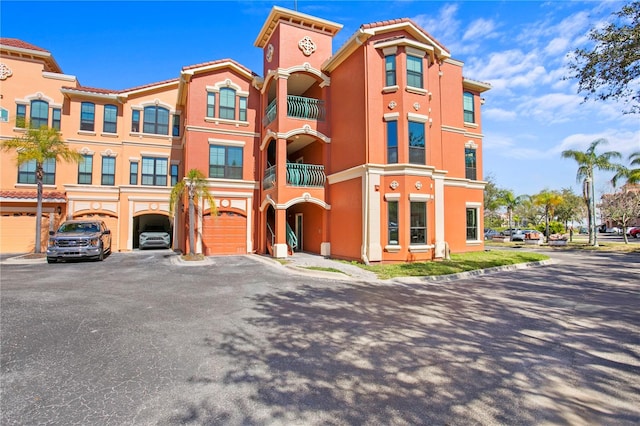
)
(139, 340)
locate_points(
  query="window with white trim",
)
(473, 225)
(469, 110)
(39, 114)
(154, 171)
(87, 116)
(392, 223)
(418, 223)
(27, 172)
(85, 170)
(414, 71)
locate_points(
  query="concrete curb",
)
(469, 274)
(404, 280)
(22, 260)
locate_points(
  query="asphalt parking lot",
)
(140, 340)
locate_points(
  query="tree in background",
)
(492, 203)
(550, 200)
(195, 187)
(630, 174)
(40, 145)
(621, 207)
(510, 201)
(571, 209)
(588, 161)
(528, 211)
(611, 68)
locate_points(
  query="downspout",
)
(365, 220)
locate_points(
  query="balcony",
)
(309, 108)
(297, 107)
(307, 175)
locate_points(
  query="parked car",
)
(154, 237)
(520, 234)
(76, 239)
(490, 233)
(614, 230)
(634, 232)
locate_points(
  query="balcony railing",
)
(269, 178)
(309, 175)
(305, 175)
(300, 107)
(270, 113)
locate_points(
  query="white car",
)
(154, 237)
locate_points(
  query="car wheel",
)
(51, 260)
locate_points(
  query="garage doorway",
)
(140, 223)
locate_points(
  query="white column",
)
(438, 196)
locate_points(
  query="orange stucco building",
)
(372, 152)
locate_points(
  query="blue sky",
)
(531, 115)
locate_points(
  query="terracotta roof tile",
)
(218, 61)
(47, 195)
(144, 86)
(14, 42)
(91, 90)
(400, 21)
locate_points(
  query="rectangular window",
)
(133, 173)
(416, 143)
(87, 116)
(176, 125)
(470, 163)
(469, 116)
(85, 170)
(135, 121)
(225, 162)
(154, 171)
(56, 118)
(21, 116)
(211, 105)
(4, 115)
(392, 142)
(242, 114)
(390, 70)
(472, 224)
(27, 172)
(414, 71)
(110, 124)
(174, 174)
(392, 222)
(108, 171)
(418, 223)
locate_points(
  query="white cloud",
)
(479, 28)
(623, 141)
(552, 108)
(557, 46)
(499, 114)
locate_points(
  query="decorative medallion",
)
(153, 206)
(224, 203)
(418, 185)
(307, 46)
(416, 106)
(392, 104)
(95, 205)
(5, 72)
(270, 52)
(394, 185)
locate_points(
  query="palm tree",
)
(40, 145)
(632, 175)
(549, 200)
(195, 187)
(587, 162)
(510, 201)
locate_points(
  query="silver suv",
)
(77, 239)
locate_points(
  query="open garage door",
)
(224, 234)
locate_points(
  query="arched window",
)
(39, 114)
(156, 120)
(228, 103)
(469, 115)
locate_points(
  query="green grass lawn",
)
(577, 244)
(458, 263)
